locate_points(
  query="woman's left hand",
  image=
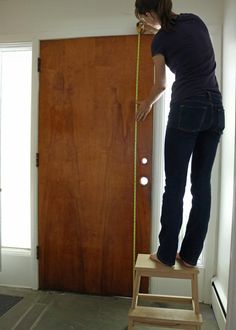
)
(143, 110)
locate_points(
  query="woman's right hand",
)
(150, 22)
(144, 109)
(148, 29)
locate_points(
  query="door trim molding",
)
(34, 169)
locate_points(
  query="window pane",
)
(15, 92)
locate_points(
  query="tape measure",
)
(139, 31)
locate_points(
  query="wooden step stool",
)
(164, 317)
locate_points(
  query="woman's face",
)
(151, 19)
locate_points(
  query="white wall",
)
(231, 316)
(228, 149)
(229, 93)
(34, 17)
(210, 11)
(74, 17)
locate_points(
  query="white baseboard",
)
(17, 268)
(218, 308)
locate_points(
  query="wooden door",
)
(86, 155)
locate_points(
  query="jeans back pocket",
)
(192, 117)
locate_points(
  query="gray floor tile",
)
(67, 311)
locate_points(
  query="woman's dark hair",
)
(163, 8)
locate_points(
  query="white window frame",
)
(20, 266)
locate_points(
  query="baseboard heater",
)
(219, 300)
(218, 306)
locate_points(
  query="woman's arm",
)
(157, 90)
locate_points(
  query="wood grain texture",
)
(86, 141)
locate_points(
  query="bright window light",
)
(15, 107)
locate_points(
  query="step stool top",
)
(144, 263)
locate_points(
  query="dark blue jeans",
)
(194, 128)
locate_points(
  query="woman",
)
(195, 123)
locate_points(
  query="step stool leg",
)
(194, 281)
(136, 289)
(131, 324)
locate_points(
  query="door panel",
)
(86, 148)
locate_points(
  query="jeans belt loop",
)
(208, 95)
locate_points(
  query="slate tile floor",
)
(43, 310)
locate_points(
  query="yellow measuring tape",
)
(139, 31)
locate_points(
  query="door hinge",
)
(37, 159)
(39, 64)
(37, 252)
